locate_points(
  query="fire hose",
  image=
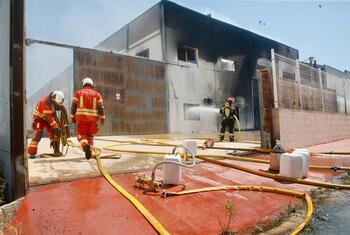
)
(304, 196)
(162, 230)
(61, 139)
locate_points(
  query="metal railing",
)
(297, 85)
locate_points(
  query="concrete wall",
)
(189, 85)
(296, 128)
(191, 82)
(5, 137)
(153, 42)
(63, 82)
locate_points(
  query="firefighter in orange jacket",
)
(87, 108)
(44, 115)
(228, 111)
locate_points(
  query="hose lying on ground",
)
(257, 160)
(150, 218)
(277, 177)
(304, 196)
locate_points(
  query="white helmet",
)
(88, 81)
(58, 97)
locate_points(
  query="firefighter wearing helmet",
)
(228, 121)
(44, 115)
(86, 110)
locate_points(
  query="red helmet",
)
(230, 100)
(209, 143)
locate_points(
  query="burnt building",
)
(169, 69)
(206, 61)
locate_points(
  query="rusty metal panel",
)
(288, 93)
(133, 90)
(266, 103)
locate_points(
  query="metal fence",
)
(299, 85)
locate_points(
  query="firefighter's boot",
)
(32, 156)
(232, 138)
(87, 150)
(56, 149)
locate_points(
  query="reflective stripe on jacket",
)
(87, 105)
(44, 110)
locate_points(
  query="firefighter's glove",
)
(56, 131)
(102, 121)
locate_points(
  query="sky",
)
(316, 28)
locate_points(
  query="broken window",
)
(188, 54)
(144, 53)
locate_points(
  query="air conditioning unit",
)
(227, 65)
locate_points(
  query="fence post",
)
(297, 76)
(321, 86)
(274, 79)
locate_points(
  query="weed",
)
(277, 222)
(229, 209)
(346, 178)
(317, 195)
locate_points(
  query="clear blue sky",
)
(316, 28)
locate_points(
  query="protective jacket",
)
(44, 115)
(228, 112)
(44, 111)
(228, 121)
(87, 106)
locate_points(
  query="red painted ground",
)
(92, 206)
(336, 146)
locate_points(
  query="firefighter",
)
(44, 115)
(228, 121)
(87, 109)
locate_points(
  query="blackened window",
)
(144, 53)
(185, 53)
(181, 53)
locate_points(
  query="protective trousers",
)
(227, 123)
(85, 133)
(38, 127)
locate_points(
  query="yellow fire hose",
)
(239, 158)
(304, 196)
(150, 218)
(257, 160)
(160, 229)
(264, 174)
(277, 177)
